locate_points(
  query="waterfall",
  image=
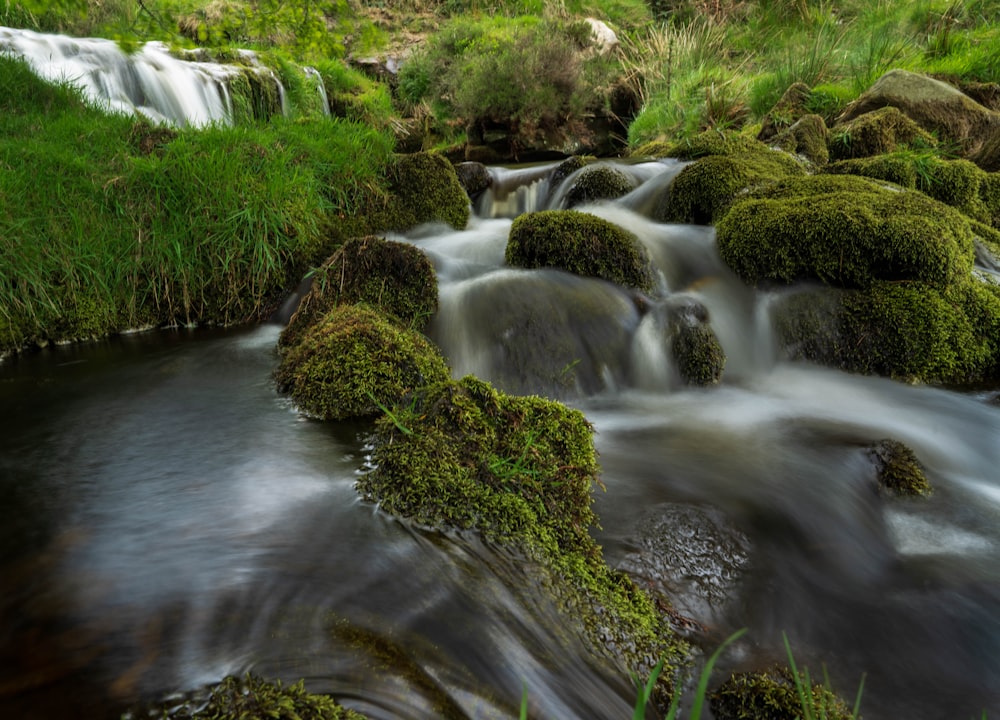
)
(152, 81)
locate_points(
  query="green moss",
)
(905, 330)
(878, 132)
(890, 168)
(354, 361)
(520, 470)
(423, 187)
(579, 243)
(256, 95)
(394, 277)
(714, 142)
(844, 231)
(566, 168)
(807, 137)
(653, 149)
(252, 698)
(771, 695)
(703, 191)
(698, 354)
(598, 182)
(785, 112)
(898, 470)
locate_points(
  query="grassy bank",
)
(108, 223)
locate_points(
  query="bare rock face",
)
(935, 106)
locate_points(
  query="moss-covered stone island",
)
(579, 243)
(520, 470)
(772, 695)
(394, 277)
(354, 362)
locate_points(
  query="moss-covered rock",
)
(579, 243)
(878, 132)
(356, 361)
(699, 355)
(904, 330)
(845, 231)
(704, 190)
(564, 169)
(785, 113)
(598, 182)
(714, 142)
(253, 698)
(423, 187)
(807, 137)
(394, 277)
(520, 471)
(772, 695)
(898, 471)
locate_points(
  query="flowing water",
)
(167, 518)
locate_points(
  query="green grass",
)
(107, 223)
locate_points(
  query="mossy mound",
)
(772, 695)
(958, 183)
(252, 698)
(807, 137)
(356, 361)
(878, 132)
(394, 277)
(698, 354)
(564, 169)
(904, 330)
(898, 470)
(704, 190)
(598, 182)
(423, 187)
(845, 231)
(520, 471)
(582, 244)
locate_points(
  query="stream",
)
(168, 518)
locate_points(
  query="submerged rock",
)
(355, 362)
(579, 243)
(394, 277)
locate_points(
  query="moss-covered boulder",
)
(897, 469)
(904, 330)
(772, 695)
(704, 190)
(564, 169)
(808, 136)
(396, 278)
(597, 182)
(934, 105)
(579, 243)
(785, 113)
(520, 471)
(423, 187)
(699, 355)
(844, 231)
(253, 698)
(878, 132)
(713, 142)
(356, 361)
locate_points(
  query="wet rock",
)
(692, 555)
(474, 177)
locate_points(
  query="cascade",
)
(152, 81)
